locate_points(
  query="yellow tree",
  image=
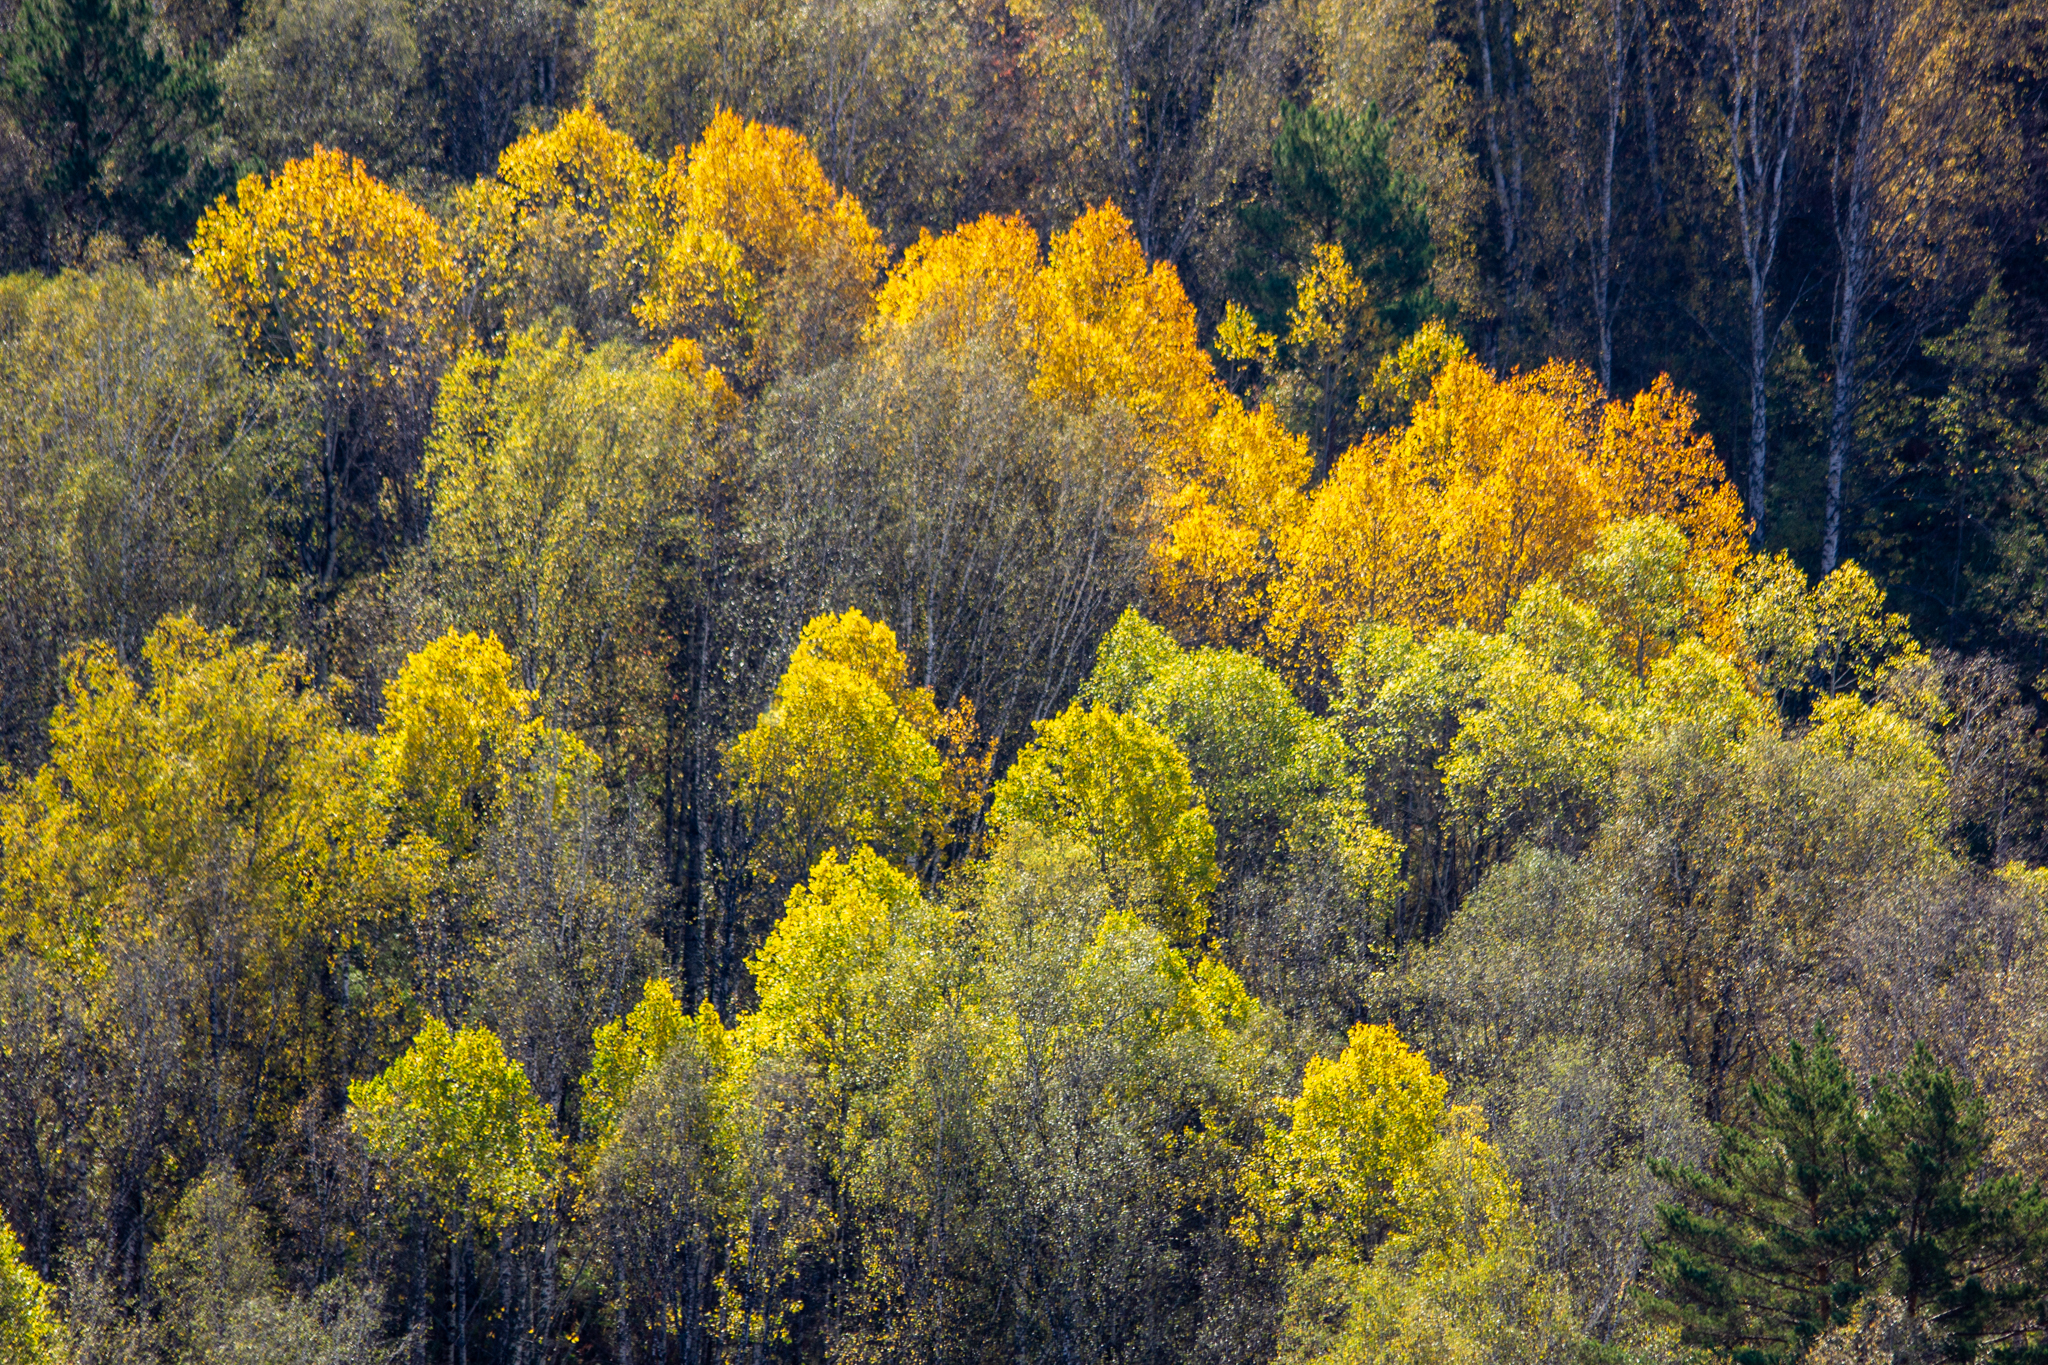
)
(462, 1147)
(763, 248)
(30, 1331)
(1098, 327)
(450, 736)
(325, 269)
(1097, 322)
(1403, 1227)
(1124, 791)
(981, 273)
(1492, 486)
(184, 882)
(1238, 492)
(835, 761)
(1333, 320)
(570, 220)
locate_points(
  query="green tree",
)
(1256, 754)
(327, 73)
(1335, 198)
(1792, 1234)
(560, 481)
(146, 472)
(1818, 1202)
(119, 117)
(663, 1203)
(1969, 1251)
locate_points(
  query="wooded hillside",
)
(1193, 682)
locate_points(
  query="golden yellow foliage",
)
(1095, 321)
(761, 248)
(326, 268)
(570, 218)
(1493, 486)
(1115, 329)
(1242, 486)
(982, 272)
(1654, 462)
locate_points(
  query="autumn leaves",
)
(738, 263)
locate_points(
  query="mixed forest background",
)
(1179, 681)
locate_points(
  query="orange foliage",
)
(1095, 322)
(1653, 463)
(1494, 485)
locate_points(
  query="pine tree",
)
(1786, 1235)
(115, 113)
(1819, 1202)
(1967, 1253)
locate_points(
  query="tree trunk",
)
(1764, 80)
(1869, 97)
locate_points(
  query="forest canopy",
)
(1302, 683)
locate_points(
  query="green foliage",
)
(1336, 263)
(1570, 639)
(820, 971)
(1832, 637)
(1817, 1203)
(331, 73)
(114, 112)
(1406, 1229)
(210, 1262)
(1333, 184)
(1256, 755)
(1532, 755)
(665, 1200)
(1130, 656)
(1121, 788)
(457, 1131)
(1637, 575)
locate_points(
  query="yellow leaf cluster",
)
(456, 1126)
(325, 268)
(30, 1331)
(572, 211)
(1095, 322)
(1371, 1147)
(1493, 486)
(760, 243)
(844, 756)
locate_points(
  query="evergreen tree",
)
(1335, 262)
(1786, 1234)
(1820, 1202)
(1966, 1252)
(115, 113)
